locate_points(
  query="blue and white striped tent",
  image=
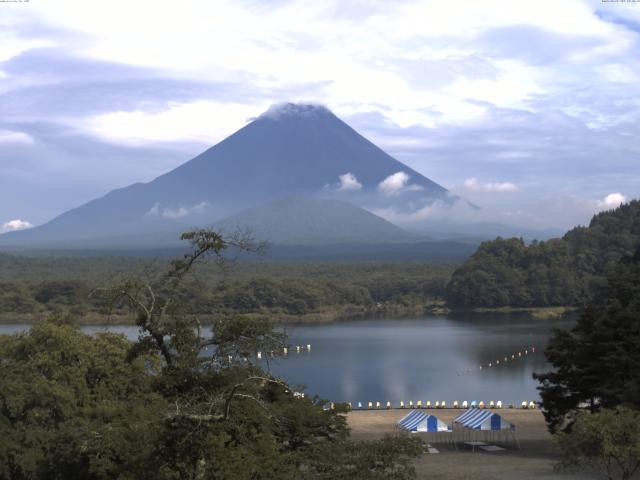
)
(477, 419)
(417, 421)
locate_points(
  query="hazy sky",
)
(529, 109)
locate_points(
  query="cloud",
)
(7, 136)
(348, 182)
(503, 91)
(396, 184)
(175, 213)
(283, 109)
(611, 201)
(474, 185)
(13, 225)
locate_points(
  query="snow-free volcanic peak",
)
(292, 149)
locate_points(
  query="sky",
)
(530, 110)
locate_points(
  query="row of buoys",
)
(503, 360)
(441, 404)
(285, 351)
(299, 349)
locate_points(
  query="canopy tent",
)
(417, 421)
(476, 419)
(489, 425)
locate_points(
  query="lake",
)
(432, 358)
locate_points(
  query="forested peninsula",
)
(567, 271)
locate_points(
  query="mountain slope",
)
(289, 150)
(306, 221)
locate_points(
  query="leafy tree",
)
(596, 363)
(607, 441)
(72, 406)
(179, 403)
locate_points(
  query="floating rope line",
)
(514, 357)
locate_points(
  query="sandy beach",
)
(536, 459)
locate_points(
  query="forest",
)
(35, 287)
(567, 271)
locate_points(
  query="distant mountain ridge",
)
(298, 220)
(291, 149)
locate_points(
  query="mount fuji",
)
(290, 151)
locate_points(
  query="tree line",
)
(567, 271)
(55, 285)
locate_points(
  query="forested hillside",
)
(568, 271)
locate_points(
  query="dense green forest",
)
(568, 271)
(174, 404)
(34, 287)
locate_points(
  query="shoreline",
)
(336, 315)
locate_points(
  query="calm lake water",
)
(433, 358)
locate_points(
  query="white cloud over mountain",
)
(611, 201)
(13, 225)
(540, 93)
(348, 181)
(475, 185)
(178, 212)
(397, 183)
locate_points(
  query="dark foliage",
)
(42, 285)
(596, 363)
(560, 272)
(179, 403)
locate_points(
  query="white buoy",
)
(308, 347)
(259, 355)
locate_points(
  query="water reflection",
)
(415, 359)
(422, 359)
